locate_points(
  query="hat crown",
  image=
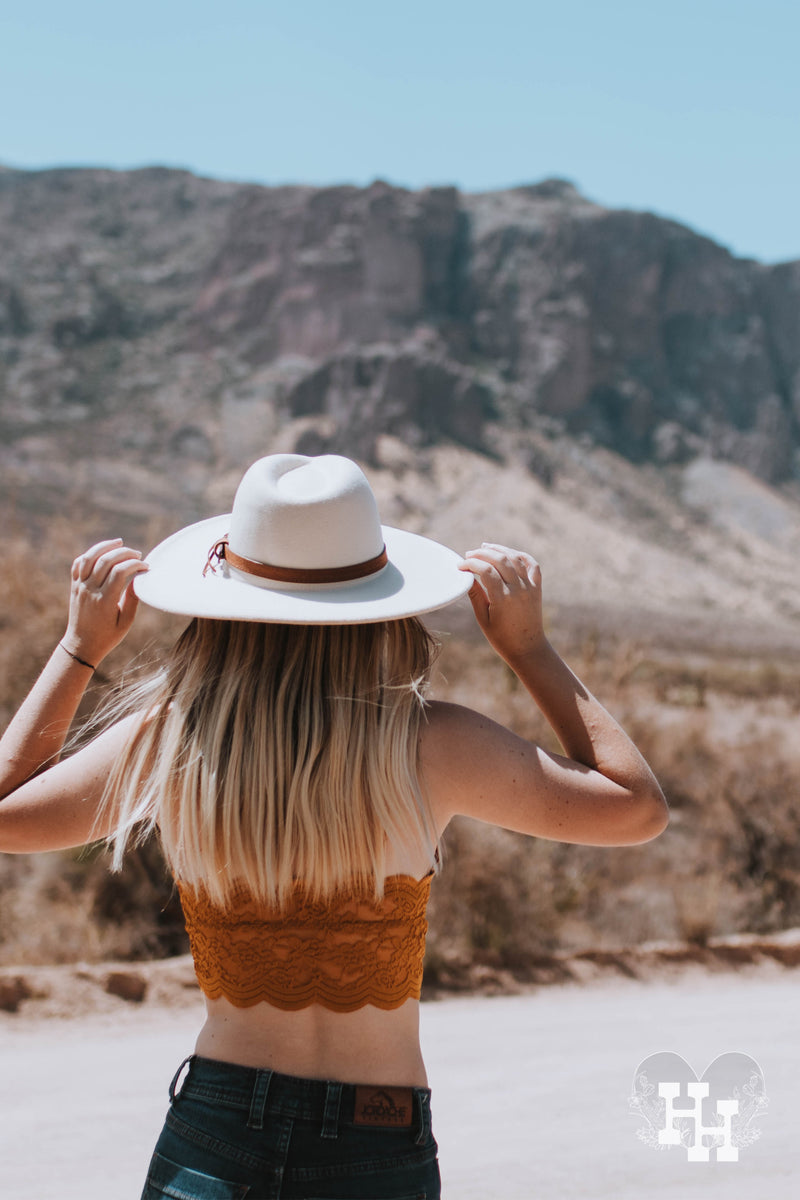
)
(305, 513)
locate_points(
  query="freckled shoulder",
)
(447, 740)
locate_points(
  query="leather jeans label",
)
(383, 1106)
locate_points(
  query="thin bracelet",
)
(82, 661)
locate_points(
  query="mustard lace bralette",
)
(341, 953)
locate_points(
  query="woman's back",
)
(470, 765)
(371, 1043)
(329, 986)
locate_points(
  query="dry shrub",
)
(727, 863)
(734, 833)
(33, 608)
(34, 599)
(492, 879)
(68, 907)
(760, 788)
(506, 900)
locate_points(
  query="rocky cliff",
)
(605, 389)
(173, 318)
(605, 376)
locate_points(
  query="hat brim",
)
(421, 576)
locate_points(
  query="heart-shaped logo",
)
(714, 1112)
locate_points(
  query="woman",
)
(300, 784)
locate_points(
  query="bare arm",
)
(58, 808)
(102, 608)
(601, 792)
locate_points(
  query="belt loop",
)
(176, 1077)
(259, 1099)
(330, 1119)
(424, 1111)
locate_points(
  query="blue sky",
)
(689, 109)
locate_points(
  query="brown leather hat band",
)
(221, 551)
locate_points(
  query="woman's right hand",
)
(507, 600)
(52, 807)
(102, 603)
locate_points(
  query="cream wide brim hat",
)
(300, 529)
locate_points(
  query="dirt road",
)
(529, 1092)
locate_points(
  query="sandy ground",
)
(529, 1092)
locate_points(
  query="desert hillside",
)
(605, 389)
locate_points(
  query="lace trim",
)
(341, 953)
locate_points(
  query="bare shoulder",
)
(446, 721)
(473, 766)
(461, 752)
(448, 725)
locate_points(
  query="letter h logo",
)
(697, 1151)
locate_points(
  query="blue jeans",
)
(234, 1132)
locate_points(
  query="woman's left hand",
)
(102, 602)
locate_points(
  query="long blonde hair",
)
(275, 753)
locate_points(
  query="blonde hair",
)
(275, 753)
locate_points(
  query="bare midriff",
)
(369, 1045)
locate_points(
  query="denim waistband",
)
(260, 1092)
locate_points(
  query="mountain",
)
(607, 390)
(632, 379)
